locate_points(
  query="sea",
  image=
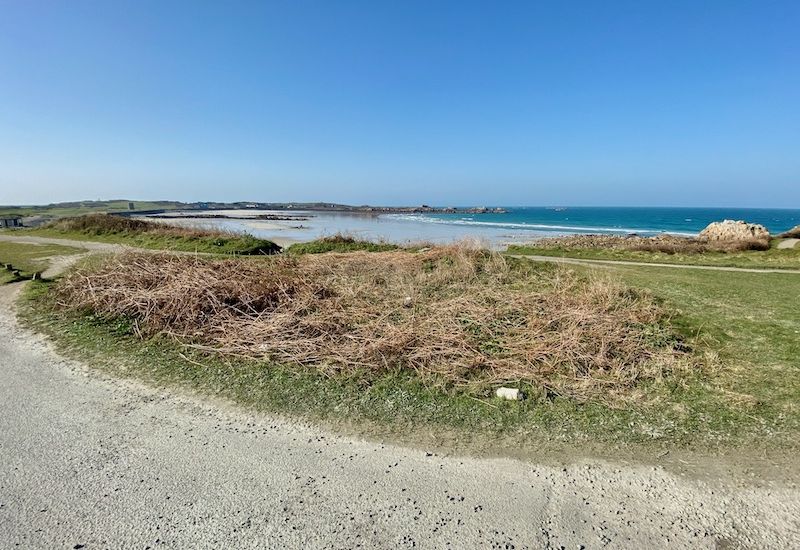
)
(618, 220)
(515, 225)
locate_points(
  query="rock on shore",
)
(793, 233)
(734, 230)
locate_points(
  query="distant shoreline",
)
(513, 226)
(320, 207)
(498, 227)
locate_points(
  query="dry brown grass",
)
(793, 233)
(668, 244)
(472, 317)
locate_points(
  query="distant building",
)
(131, 206)
(10, 222)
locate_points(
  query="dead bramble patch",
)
(450, 314)
(667, 244)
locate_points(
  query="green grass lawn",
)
(746, 326)
(85, 207)
(218, 244)
(29, 258)
(339, 243)
(772, 258)
(752, 321)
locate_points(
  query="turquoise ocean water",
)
(646, 221)
(517, 225)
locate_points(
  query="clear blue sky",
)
(538, 103)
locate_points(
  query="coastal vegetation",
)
(451, 315)
(752, 323)
(793, 233)
(666, 249)
(148, 234)
(339, 243)
(389, 340)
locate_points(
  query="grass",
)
(746, 398)
(153, 235)
(450, 315)
(394, 403)
(60, 210)
(751, 320)
(339, 243)
(29, 258)
(771, 258)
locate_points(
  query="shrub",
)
(667, 244)
(208, 240)
(339, 243)
(450, 314)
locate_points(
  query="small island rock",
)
(734, 230)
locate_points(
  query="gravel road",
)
(93, 462)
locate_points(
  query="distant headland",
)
(36, 214)
(335, 207)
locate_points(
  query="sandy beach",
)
(314, 225)
(515, 225)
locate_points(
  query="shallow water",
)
(497, 230)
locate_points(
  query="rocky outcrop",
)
(793, 233)
(734, 230)
(484, 210)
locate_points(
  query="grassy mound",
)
(667, 244)
(339, 243)
(148, 234)
(665, 249)
(450, 316)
